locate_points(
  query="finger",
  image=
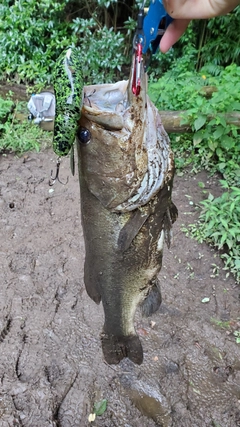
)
(173, 33)
(198, 9)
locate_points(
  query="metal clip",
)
(138, 43)
(136, 84)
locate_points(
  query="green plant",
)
(217, 141)
(221, 324)
(237, 335)
(6, 106)
(33, 34)
(219, 225)
(179, 92)
(230, 325)
(19, 136)
(221, 40)
(98, 409)
(215, 144)
(96, 67)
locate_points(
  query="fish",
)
(126, 170)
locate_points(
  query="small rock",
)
(148, 399)
(172, 367)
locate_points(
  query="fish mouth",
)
(105, 104)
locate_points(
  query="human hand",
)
(184, 10)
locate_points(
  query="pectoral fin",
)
(131, 229)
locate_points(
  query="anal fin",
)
(169, 218)
(153, 300)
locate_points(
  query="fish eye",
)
(83, 135)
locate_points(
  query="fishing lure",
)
(68, 88)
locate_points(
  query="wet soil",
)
(51, 364)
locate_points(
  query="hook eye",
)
(84, 135)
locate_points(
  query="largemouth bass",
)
(126, 170)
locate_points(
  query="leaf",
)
(218, 132)
(211, 224)
(237, 263)
(224, 183)
(197, 138)
(222, 241)
(222, 121)
(100, 407)
(199, 101)
(200, 122)
(227, 142)
(229, 243)
(210, 197)
(235, 191)
(212, 145)
(212, 122)
(184, 120)
(235, 106)
(224, 223)
(205, 300)
(232, 207)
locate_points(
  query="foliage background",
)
(32, 35)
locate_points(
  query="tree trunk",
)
(171, 120)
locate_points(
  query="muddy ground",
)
(51, 364)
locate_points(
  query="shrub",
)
(215, 144)
(219, 225)
(18, 136)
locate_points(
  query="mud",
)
(51, 365)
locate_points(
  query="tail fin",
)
(116, 348)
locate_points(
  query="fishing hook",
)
(52, 179)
